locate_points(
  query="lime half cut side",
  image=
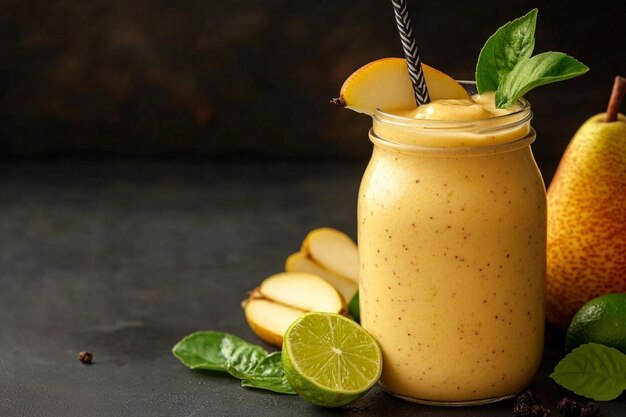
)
(329, 359)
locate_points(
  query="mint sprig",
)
(545, 68)
(510, 44)
(593, 371)
(505, 64)
(224, 352)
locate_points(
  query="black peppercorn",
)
(590, 410)
(521, 410)
(85, 357)
(539, 410)
(568, 408)
(528, 397)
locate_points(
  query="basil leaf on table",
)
(223, 352)
(217, 351)
(545, 68)
(512, 43)
(268, 375)
(593, 371)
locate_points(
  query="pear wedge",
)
(299, 262)
(334, 251)
(303, 291)
(270, 320)
(282, 298)
(385, 84)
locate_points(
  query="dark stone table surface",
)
(123, 258)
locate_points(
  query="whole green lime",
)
(602, 320)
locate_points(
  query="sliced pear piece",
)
(385, 84)
(303, 291)
(299, 262)
(282, 298)
(270, 320)
(333, 250)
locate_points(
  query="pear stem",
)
(339, 101)
(615, 102)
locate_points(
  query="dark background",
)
(160, 158)
(252, 78)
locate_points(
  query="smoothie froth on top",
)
(481, 106)
(484, 127)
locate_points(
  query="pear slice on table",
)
(303, 291)
(270, 320)
(299, 262)
(334, 251)
(282, 298)
(385, 84)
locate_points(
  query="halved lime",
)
(329, 359)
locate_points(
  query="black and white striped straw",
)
(410, 51)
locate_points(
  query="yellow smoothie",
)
(452, 235)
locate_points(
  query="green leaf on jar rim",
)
(545, 68)
(512, 43)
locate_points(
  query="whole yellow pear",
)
(587, 219)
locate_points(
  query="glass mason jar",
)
(452, 246)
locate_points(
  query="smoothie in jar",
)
(452, 235)
(452, 218)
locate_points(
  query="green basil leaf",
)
(279, 385)
(512, 43)
(353, 308)
(593, 371)
(545, 68)
(271, 365)
(218, 351)
(267, 374)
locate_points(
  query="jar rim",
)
(518, 119)
(469, 150)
